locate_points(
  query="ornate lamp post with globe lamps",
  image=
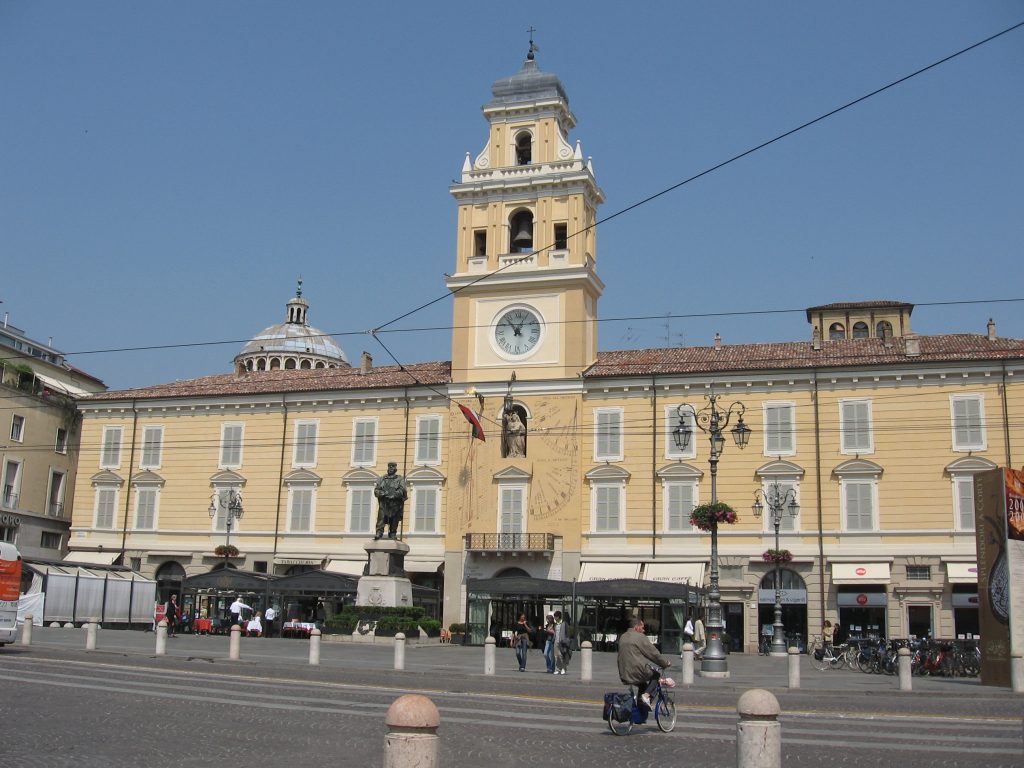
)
(230, 501)
(712, 420)
(777, 500)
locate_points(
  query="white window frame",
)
(419, 493)
(667, 486)
(596, 488)
(791, 407)
(360, 444)
(872, 484)
(18, 420)
(353, 489)
(599, 433)
(50, 501)
(115, 493)
(15, 484)
(150, 445)
(60, 446)
(307, 462)
(844, 425)
(982, 445)
(673, 451)
(958, 511)
(298, 488)
(790, 524)
(139, 490)
(109, 444)
(523, 490)
(425, 441)
(224, 446)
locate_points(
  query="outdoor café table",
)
(297, 628)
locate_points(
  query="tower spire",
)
(534, 48)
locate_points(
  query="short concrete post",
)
(794, 667)
(26, 630)
(161, 637)
(399, 651)
(412, 740)
(687, 663)
(314, 647)
(69, 625)
(235, 644)
(903, 664)
(1017, 672)
(54, 624)
(586, 661)
(489, 655)
(758, 733)
(90, 636)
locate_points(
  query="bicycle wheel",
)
(665, 713)
(864, 662)
(837, 662)
(819, 664)
(852, 652)
(620, 729)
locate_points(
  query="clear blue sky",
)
(169, 169)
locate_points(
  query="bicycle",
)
(764, 648)
(829, 657)
(662, 704)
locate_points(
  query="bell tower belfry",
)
(525, 281)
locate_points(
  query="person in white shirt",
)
(268, 622)
(255, 627)
(236, 609)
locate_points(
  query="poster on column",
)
(999, 521)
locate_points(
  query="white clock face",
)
(517, 331)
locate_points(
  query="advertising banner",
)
(999, 522)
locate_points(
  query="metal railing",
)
(10, 498)
(510, 542)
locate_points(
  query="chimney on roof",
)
(991, 329)
(366, 364)
(816, 339)
(718, 341)
(913, 342)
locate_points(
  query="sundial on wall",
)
(553, 485)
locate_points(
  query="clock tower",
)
(525, 285)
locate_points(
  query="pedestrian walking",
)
(522, 631)
(699, 638)
(236, 608)
(173, 615)
(549, 643)
(562, 648)
(269, 622)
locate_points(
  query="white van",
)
(10, 591)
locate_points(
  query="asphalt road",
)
(122, 706)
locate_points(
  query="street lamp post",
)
(712, 420)
(777, 500)
(230, 501)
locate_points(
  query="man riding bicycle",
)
(636, 657)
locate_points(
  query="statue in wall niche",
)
(391, 494)
(513, 434)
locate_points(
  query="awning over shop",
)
(602, 571)
(676, 573)
(860, 573)
(92, 558)
(347, 567)
(422, 566)
(60, 386)
(962, 573)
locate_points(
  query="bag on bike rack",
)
(619, 706)
(819, 654)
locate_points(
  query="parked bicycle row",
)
(946, 658)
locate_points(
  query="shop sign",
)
(10, 521)
(786, 596)
(861, 599)
(964, 600)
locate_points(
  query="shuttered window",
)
(300, 514)
(305, 443)
(965, 503)
(607, 507)
(425, 510)
(145, 509)
(364, 442)
(679, 501)
(428, 440)
(152, 447)
(360, 509)
(110, 457)
(778, 429)
(856, 426)
(608, 438)
(231, 446)
(512, 510)
(968, 424)
(859, 502)
(106, 504)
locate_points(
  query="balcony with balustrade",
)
(510, 543)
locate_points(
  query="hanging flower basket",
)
(706, 515)
(777, 556)
(226, 550)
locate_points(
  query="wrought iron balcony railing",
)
(510, 542)
(10, 498)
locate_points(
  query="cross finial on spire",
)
(298, 291)
(533, 46)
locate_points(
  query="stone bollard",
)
(489, 656)
(794, 667)
(903, 663)
(54, 624)
(586, 661)
(314, 647)
(90, 636)
(399, 651)
(235, 644)
(1017, 672)
(758, 733)
(412, 740)
(161, 637)
(687, 663)
(26, 630)
(69, 625)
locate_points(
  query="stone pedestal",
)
(384, 582)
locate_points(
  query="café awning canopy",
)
(962, 573)
(228, 580)
(860, 573)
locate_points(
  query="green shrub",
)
(431, 626)
(457, 628)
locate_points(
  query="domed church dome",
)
(291, 344)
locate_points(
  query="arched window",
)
(289, 364)
(836, 332)
(306, 364)
(884, 329)
(510, 573)
(861, 331)
(521, 233)
(524, 148)
(261, 365)
(275, 363)
(320, 364)
(790, 580)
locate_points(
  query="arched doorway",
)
(794, 605)
(169, 577)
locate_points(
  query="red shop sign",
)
(862, 599)
(861, 571)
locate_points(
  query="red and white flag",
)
(474, 420)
